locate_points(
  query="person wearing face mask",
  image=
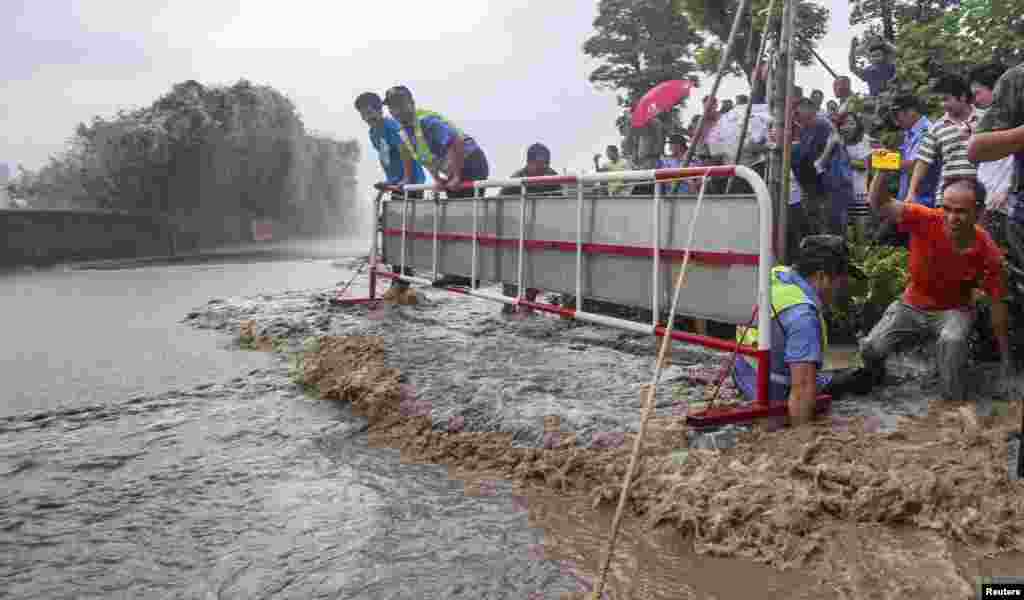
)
(950, 258)
(947, 138)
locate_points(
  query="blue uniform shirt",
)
(801, 342)
(440, 136)
(908, 151)
(387, 140)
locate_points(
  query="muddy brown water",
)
(142, 458)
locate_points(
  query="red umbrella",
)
(659, 99)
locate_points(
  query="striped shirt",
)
(946, 140)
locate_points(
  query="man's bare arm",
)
(803, 392)
(995, 145)
(882, 201)
(1001, 327)
(856, 70)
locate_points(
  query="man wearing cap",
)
(538, 164)
(950, 258)
(451, 156)
(799, 295)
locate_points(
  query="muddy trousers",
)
(903, 326)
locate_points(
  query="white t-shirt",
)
(996, 175)
(860, 151)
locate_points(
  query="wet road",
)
(141, 458)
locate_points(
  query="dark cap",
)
(677, 138)
(831, 252)
(905, 102)
(397, 91)
(538, 151)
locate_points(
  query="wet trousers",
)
(903, 326)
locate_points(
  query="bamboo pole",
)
(647, 399)
(722, 65)
(787, 144)
(750, 102)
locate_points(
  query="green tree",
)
(716, 18)
(640, 43)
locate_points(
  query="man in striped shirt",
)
(947, 138)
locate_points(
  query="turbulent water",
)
(140, 458)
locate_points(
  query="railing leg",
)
(437, 210)
(656, 244)
(522, 242)
(476, 241)
(405, 228)
(579, 245)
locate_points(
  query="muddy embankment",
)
(913, 511)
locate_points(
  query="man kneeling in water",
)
(799, 295)
(950, 257)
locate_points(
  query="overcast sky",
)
(510, 72)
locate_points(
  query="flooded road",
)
(141, 458)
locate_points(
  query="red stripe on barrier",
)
(701, 256)
(723, 171)
(708, 342)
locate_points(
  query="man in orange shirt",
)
(950, 257)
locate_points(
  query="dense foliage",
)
(640, 43)
(939, 36)
(201, 153)
(716, 18)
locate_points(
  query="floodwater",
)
(142, 458)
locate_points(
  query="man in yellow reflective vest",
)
(451, 156)
(799, 296)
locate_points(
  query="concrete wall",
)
(41, 237)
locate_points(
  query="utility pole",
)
(782, 89)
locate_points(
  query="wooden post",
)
(722, 65)
(782, 88)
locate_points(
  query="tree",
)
(943, 36)
(640, 43)
(716, 18)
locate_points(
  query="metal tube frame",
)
(760, 407)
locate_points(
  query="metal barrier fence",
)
(597, 247)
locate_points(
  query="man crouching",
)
(950, 257)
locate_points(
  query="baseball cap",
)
(538, 151)
(830, 250)
(396, 91)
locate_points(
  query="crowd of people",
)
(956, 203)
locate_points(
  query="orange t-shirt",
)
(940, 277)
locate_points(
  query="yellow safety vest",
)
(418, 147)
(784, 295)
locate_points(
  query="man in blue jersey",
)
(386, 138)
(799, 296)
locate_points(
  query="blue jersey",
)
(387, 140)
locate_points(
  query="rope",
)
(648, 397)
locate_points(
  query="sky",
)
(508, 72)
